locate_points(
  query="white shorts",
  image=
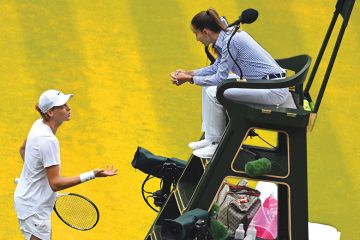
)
(33, 225)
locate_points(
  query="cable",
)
(252, 133)
(266, 142)
(167, 183)
(143, 191)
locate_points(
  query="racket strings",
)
(76, 211)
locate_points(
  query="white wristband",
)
(87, 176)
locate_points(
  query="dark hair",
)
(208, 19)
(44, 116)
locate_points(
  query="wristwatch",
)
(191, 80)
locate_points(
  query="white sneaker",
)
(206, 152)
(199, 144)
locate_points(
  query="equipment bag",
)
(237, 204)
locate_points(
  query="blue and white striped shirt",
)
(254, 61)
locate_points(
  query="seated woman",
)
(255, 63)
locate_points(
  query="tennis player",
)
(40, 179)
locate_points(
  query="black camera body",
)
(193, 224)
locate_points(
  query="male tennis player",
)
(40, 177)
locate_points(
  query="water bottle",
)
(240, 232)
(251, 231)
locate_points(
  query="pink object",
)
(266, 219)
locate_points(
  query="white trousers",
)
(213, 113)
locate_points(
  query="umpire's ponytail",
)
(208, 19)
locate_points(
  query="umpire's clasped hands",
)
(180, 77)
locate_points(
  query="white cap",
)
(52, 98)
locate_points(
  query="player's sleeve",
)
(50, 152)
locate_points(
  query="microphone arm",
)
(236, 28)
(247, 16)
(237, 22)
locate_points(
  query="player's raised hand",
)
(107, 172)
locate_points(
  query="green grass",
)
(116, 56)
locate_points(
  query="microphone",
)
(258, 167)
(247, 16)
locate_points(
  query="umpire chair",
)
(201, 179)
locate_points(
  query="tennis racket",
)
(76, 211)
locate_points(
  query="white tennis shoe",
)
(206, 152)
(199, 144)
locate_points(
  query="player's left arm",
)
(58, 183)
(22, 150)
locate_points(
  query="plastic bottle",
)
(240, 232)
(251, 231)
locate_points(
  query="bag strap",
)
(246, 190)
(233, 189)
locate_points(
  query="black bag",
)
(237, 204)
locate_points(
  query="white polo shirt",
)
(33, 194)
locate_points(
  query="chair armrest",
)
(254, 84)
(299, 64)
(259, 83)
